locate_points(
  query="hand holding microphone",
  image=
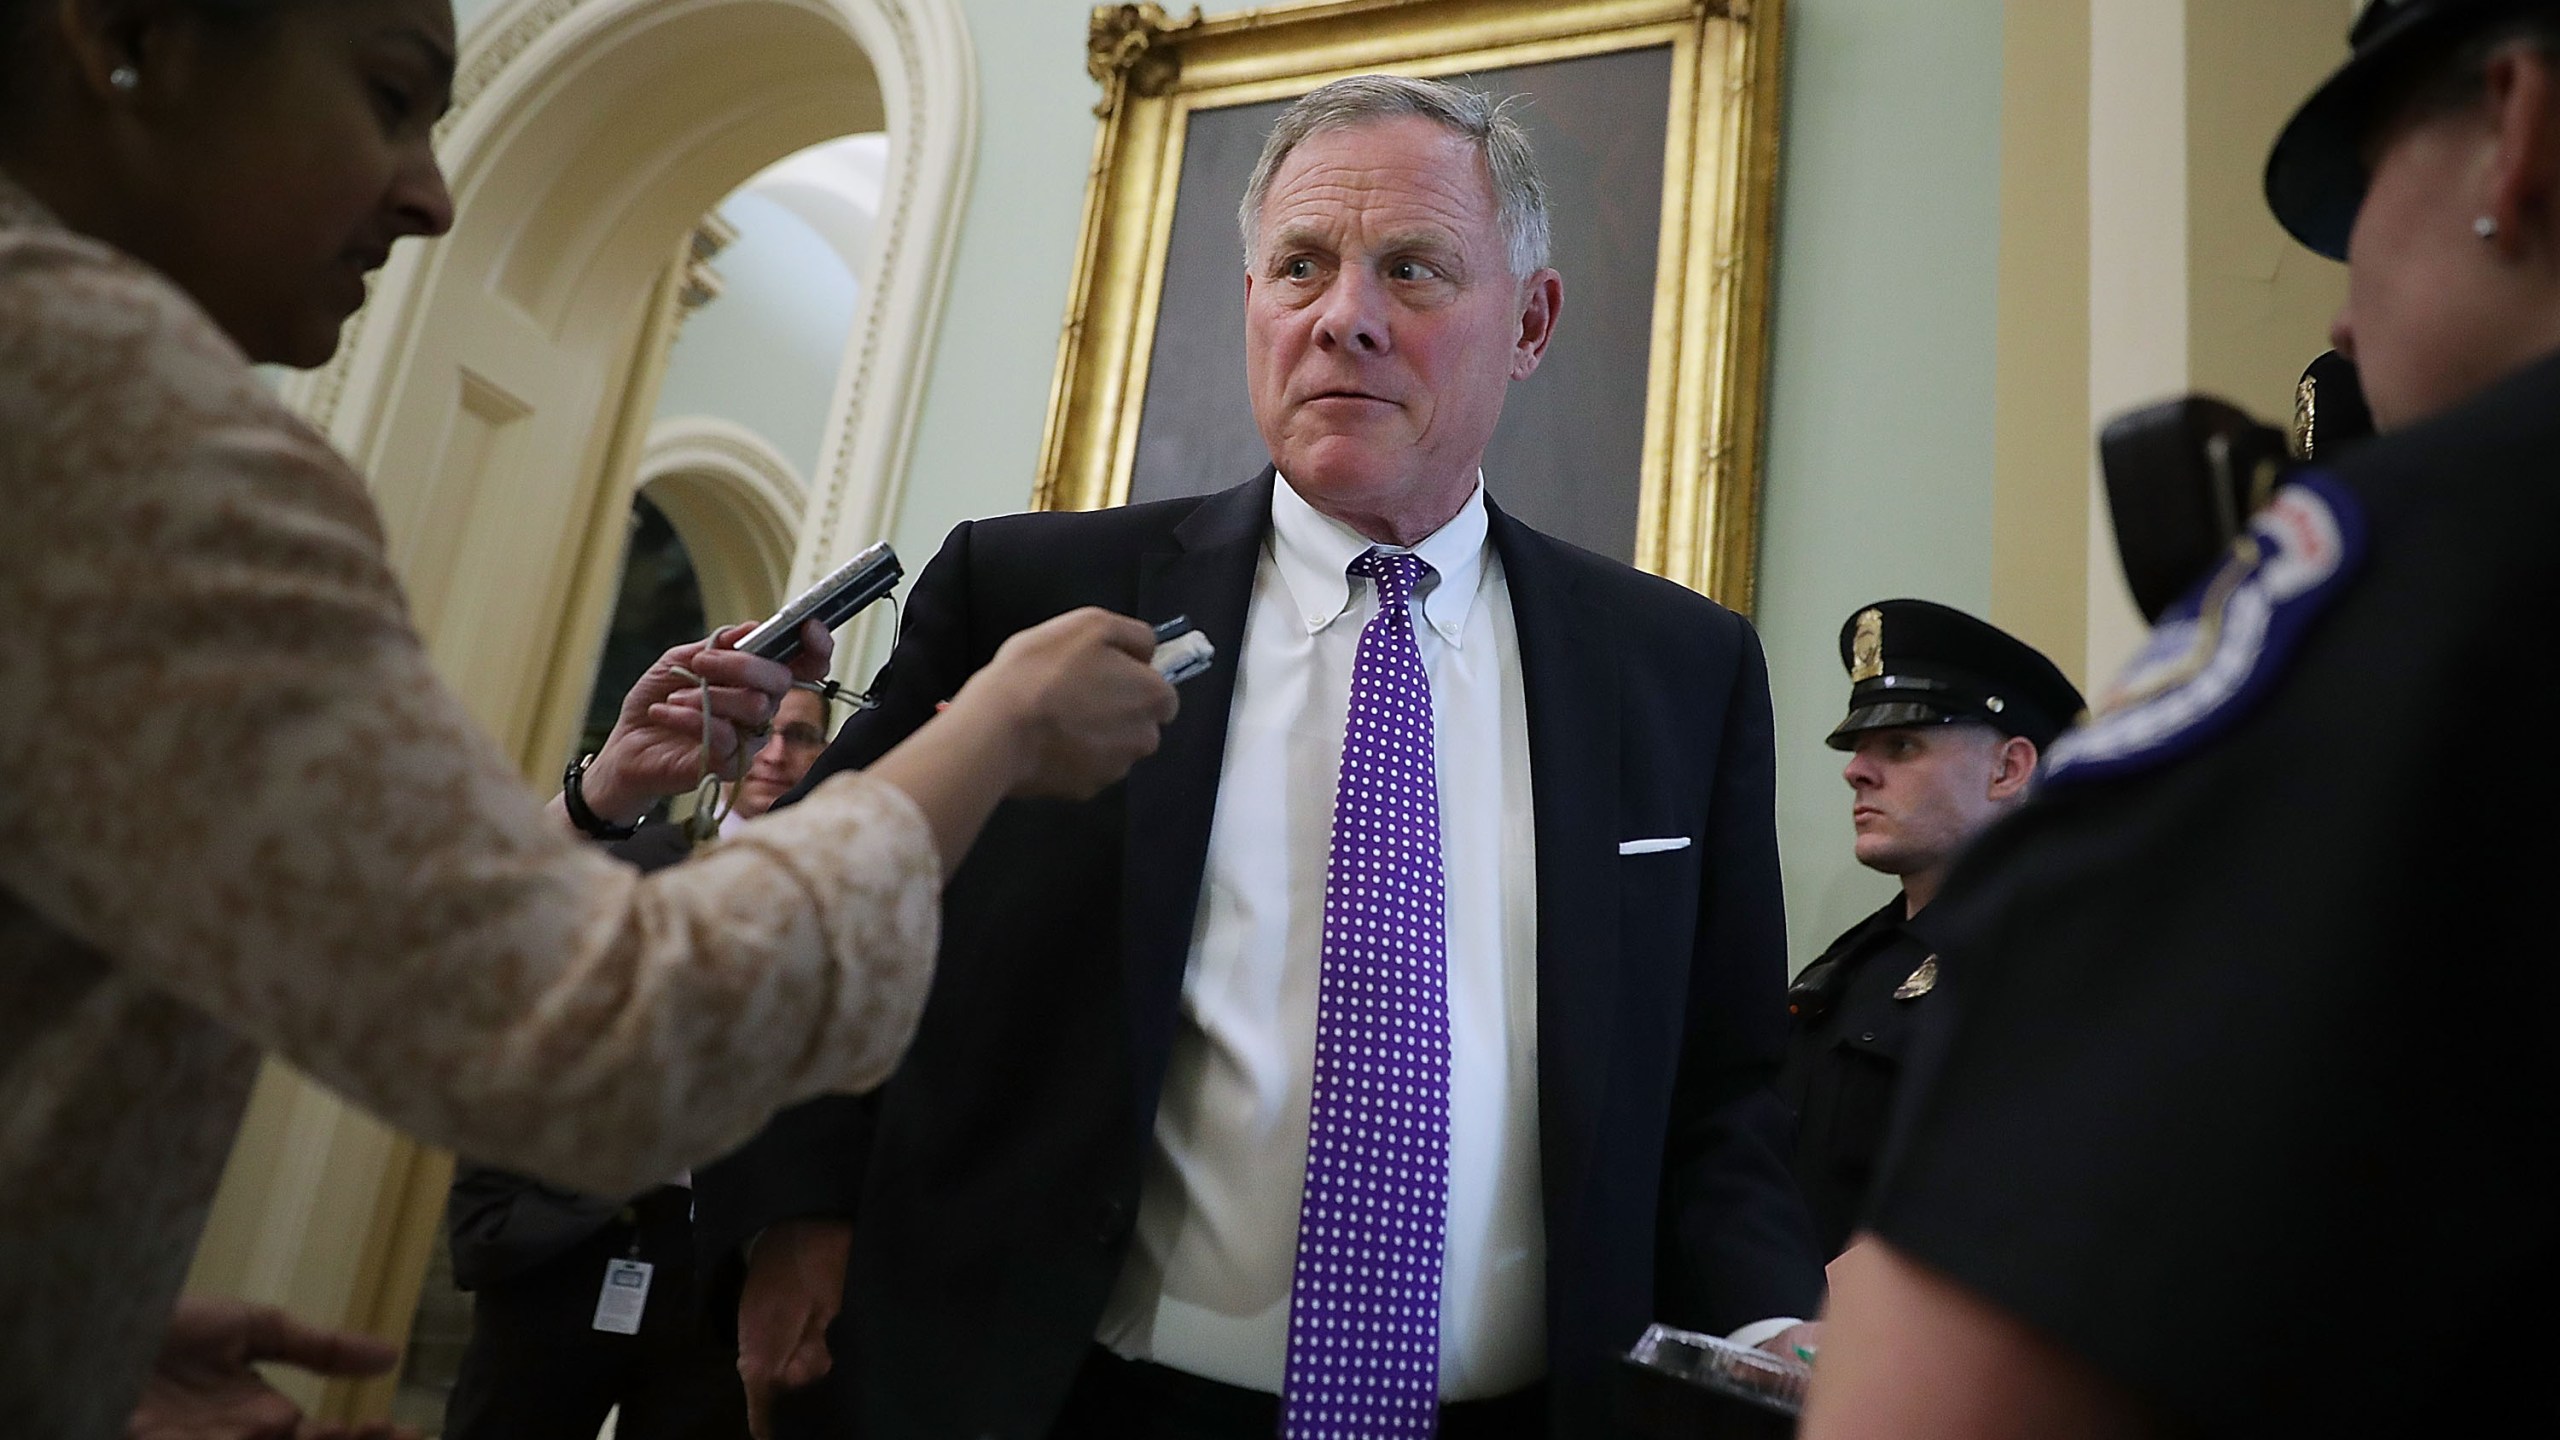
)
(704, 703)
(1081, 697)
(1062, 711)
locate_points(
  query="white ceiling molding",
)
(836, 190)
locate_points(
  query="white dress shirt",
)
(1206, 1286)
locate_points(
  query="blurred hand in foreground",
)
(206, 1385)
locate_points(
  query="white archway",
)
(588, 137)
(488, 390)
(735, 502)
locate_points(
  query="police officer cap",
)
(1915, 662)
(2315, 174)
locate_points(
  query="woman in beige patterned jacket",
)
(239, 813)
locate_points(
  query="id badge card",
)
(625, 1295)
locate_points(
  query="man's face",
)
(799, 737)
(1922, 792)
(1383, 324)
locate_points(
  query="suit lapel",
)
(1205, 570)
(1569, 687)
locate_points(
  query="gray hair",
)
(1520, 198)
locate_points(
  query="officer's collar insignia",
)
(2216, 653)
(1920, 981)
(1866, 648)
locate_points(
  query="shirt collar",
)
(1314, 552)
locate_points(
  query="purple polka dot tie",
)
(1364, 1310)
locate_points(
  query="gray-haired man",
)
(1394, 1045)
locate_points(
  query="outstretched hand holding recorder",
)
(1062, 710)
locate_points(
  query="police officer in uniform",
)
(1947, 716)
(2248, 1122)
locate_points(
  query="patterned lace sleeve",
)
(226, 764)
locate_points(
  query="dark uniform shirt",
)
(1844, 1061)
(2247, 1099)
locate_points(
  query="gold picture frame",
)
(1696, 506)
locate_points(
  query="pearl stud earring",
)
(125, 78)
(2486, 227)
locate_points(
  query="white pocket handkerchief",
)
(1653, 847)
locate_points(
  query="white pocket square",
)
(1653, 847)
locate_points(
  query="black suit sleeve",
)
(502, 1224)
(1738, 1244)
(809, 1161)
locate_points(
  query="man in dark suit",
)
(1394, 1045)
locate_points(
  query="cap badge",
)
(1866, 647)
(1920, 982)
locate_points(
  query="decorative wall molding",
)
(702, 283)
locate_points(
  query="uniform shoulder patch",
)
(2217, 652)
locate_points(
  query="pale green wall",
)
(1880, 427)
(978, 442)
(765, 353)
(1880, 422)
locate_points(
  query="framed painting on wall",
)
(1654, 123)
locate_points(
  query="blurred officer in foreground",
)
(2244, 1127)
(1947, 717)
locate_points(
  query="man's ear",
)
(2524, 168)
(1540, 300)
(2013, 767)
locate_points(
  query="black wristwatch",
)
(574, 795)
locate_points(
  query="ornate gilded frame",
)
(1697, 514)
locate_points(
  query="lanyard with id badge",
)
(626, 1287)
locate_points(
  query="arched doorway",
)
(737, 504)
(489, 389)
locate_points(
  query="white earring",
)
(125, 78)
(2486, 227)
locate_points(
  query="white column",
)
(2137, 264)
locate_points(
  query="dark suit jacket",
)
(995, 1177)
